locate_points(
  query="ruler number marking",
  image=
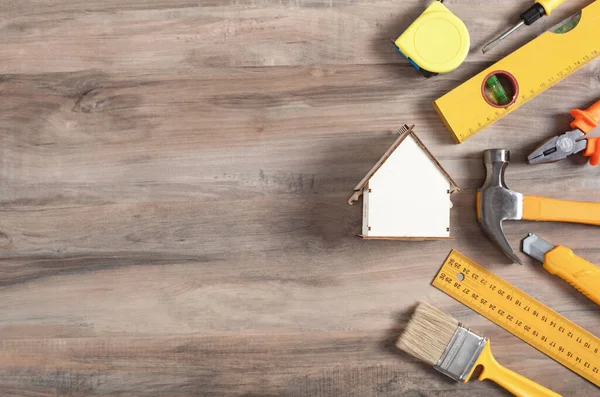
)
(521, 315)
(561, 74)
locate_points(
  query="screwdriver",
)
(538, 10)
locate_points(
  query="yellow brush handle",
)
(546, 209)
(578, 272)
(509, 380)
(550, 5)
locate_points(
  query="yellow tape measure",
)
(521, 315)
(525, 74)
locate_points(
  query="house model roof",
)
(405, 131)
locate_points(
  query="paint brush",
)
(438, 339)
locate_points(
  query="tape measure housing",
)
(436, 42)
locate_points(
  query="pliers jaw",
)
(572, 142)
(559, 148)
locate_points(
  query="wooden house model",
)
(406, 195)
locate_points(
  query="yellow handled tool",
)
(511, 381)
(539, 9)
(562, 262)
(547, 209)
(550, 5)
(496, 203)
(457, 351)
(520, 314)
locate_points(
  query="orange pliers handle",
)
(593, 150)
(587, 120)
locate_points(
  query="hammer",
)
(497, 203)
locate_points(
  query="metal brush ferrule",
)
(461, 354)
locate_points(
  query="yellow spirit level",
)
(524, 74)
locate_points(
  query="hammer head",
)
(496, 202)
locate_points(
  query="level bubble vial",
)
(500, 89)
(568, 24)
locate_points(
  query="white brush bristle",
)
(428, 333)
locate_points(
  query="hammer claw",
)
(504, 245)
(494, 229)
(496, 202)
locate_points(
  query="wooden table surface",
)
(174, 177)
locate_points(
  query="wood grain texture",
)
(174, 177)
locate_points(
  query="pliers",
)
(564, 145)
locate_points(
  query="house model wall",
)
(407, 194)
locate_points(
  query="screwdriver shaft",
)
(504, 35)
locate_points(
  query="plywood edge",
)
(406, 238)
(404, 131)
(453, 186)
(355, 196)
(358, 190)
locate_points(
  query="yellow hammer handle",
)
(578, 272)
(509, 380)
(550, 5)
(546, 209)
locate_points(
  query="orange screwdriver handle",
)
(593, 150)
(586, 120)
